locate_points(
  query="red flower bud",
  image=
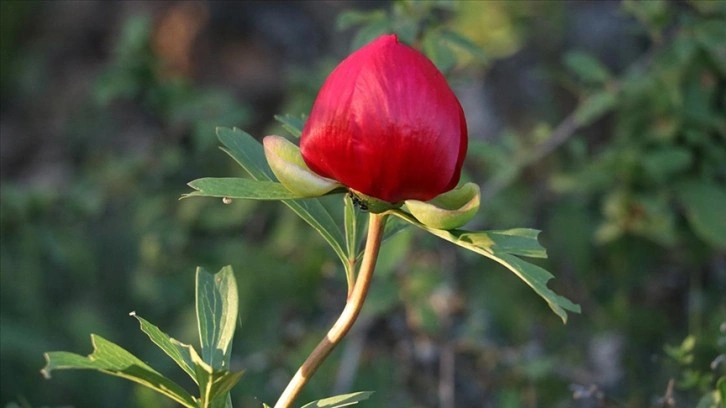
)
(387, 125)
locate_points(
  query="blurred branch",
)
(588, 111)
(564, 131)
(447, 375)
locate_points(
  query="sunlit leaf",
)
(111, 359)
(502, 246)
(214, 385)
(340, 400)
(235, 187)
(217, 307)
(518, 241)
(179, 352)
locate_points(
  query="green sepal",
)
(449, 210)
(289, 167)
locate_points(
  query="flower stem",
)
(346, 319)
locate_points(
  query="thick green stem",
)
(352, 308)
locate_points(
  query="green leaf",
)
(594, 106)
(293, 124)
(111, 359)
(235, 187)
(246, 151)
(371, 31)
(587, 67)
(393, 227)
(351, 18)
(214, 385)
(517, 241)
(464, 43)
(179, 352)
(440, 54)
(710, 34)
(217, 307)
(340, 400)
(350, 222)
(502, 246)
(704, 203)
(662, 164)
(653, 13)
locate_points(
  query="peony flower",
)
(386, 125)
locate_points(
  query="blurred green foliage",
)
(622, 165)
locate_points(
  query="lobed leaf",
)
(179, 352)
(112, 359)
(501, 247)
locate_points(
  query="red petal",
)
(386, 124)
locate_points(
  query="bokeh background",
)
(599, 122)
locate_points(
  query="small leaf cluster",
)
(217, 308)
(420, 23)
